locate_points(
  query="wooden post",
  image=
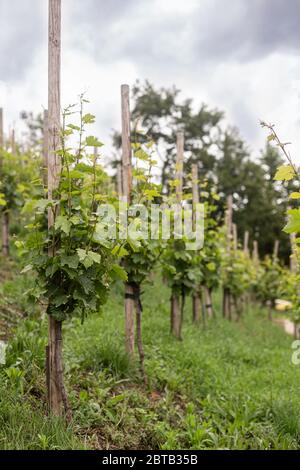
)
(175, 315)
(229, 223)
(294, 270)
(208, 302)
(234, 237)
(179, 165)
(255, 254)
(176, 312)
(197, 293)
(5, 233)
(246, 243)
(5, 214)
(276, 249)
(126, 192)
(126, 143)
(45, 148)
(293, 257)
(196, 306)
(13, 142)
(119, 180)
(56, 392)
(226, 293)
(246, 296)
(1, 130)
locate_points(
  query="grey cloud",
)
(134, 30)
(21, 34)
(237, 30)
(245, 30)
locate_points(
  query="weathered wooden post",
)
(234, 237)
(13, 142)
(126, 192)
(5, 213)
(246, 243)
(246, 296)
(1, 130)
(119, 187)
(255, 253)
(176, 305)
(294, 270)
(293, 257)
(228, 223)
(276, 250)
(179, 166)
(45, 148)
(56, 391)
(5, 233)
(197, 294)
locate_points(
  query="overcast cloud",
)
(241, 56)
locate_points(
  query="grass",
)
(228, 386)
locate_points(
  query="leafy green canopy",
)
(75, 264)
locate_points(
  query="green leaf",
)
(120, 272)
(87, 284)
(142, 155)
(134, 244)
(94, 256)
(294, 195)
(88, 258)
(88, 119)
(74, 128)
(151, 193)
(211, 266)
(71, 261)
(27, 268)
(293, 225)
(62, 223)
(116, 399)
(75, 174)
(284, 173)
(60, 300)
(119, 251)
(92, 141)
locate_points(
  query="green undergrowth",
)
(230, 385)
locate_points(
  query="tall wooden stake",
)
(5, 214)
(119, 180)
(293, 257)
(1, 130)
(276, 249)
(255, 254)
(179, 165)
(126, 192)
(56, 391)
(234, 237)
(246, 243)
(45, 147)
(228, 222)
(176, 305)
(197, 294)
(294, 269)
(13, 142)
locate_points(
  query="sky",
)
(240, 56)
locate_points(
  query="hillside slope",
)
(228, 386)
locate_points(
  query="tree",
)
(162, 115)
